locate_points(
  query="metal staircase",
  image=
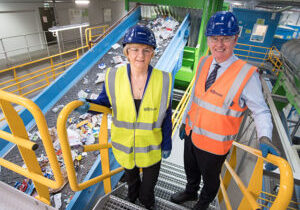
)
(171, 179)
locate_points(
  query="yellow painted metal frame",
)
(89, 32)
(252, 192)
(26, 148)
(102, 146)
(274, 58)
(252, 50)
(43, 76)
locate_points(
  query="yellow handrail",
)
(103, 146)
(285, 192)
(21, 84)
(251, 49)
(19, 136)
(274, 58)
(181, 107)
(88, 32)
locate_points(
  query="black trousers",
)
(142, 189)
(199, 163)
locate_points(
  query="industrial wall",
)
(18, 19)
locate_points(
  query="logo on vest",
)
(216, 93)
(149, 109)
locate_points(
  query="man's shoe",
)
(181, 197)
(153, 207)
(200, 207)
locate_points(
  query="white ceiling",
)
(269, 4)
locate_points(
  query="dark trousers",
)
(142, 189)
(199, 163)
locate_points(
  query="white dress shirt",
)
(251, 96)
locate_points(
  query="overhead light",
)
(237, 3)
(82, 2)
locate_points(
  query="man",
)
(224, 88)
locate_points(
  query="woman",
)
(141, 110)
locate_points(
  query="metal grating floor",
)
(170, 180)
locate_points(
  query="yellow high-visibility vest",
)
(136, 139)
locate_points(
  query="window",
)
(107, 15)
(258, 33)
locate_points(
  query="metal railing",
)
(42, 77)
(26, 148)
(93, 32)
(27, 44)
(252, 193)
(102, 146)
(19, 136)
(274, 58)
(251, 52)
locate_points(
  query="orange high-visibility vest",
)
(215, 115)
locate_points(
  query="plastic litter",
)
(82, 94)
(116, 46)
(101, 66)
(100, 78)
(93, 96)
(74, 137)
(85, 81)
(57, 108)
(57, 200)
(117, 59)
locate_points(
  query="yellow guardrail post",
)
(104, 153)
(52, 68)
(227, 175)
(20, 138)
(103, 146)
(77, 54)
(90, 34)
(15, 78)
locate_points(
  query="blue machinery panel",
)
(247, 20)
(170, 61)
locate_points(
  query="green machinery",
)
(288, 82)
(195, 48)
(287, 87)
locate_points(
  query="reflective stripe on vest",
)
(139, 125)
(129, 150)
(219, 110)
(209, 134)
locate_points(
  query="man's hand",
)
(266, 147)
(83, 108)
(165, 153)
(182, 133)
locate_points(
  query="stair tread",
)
(115, 203)
(171, 179)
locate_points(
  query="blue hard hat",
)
(222, 23)
(139, 34)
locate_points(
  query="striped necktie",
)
(212, 77)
